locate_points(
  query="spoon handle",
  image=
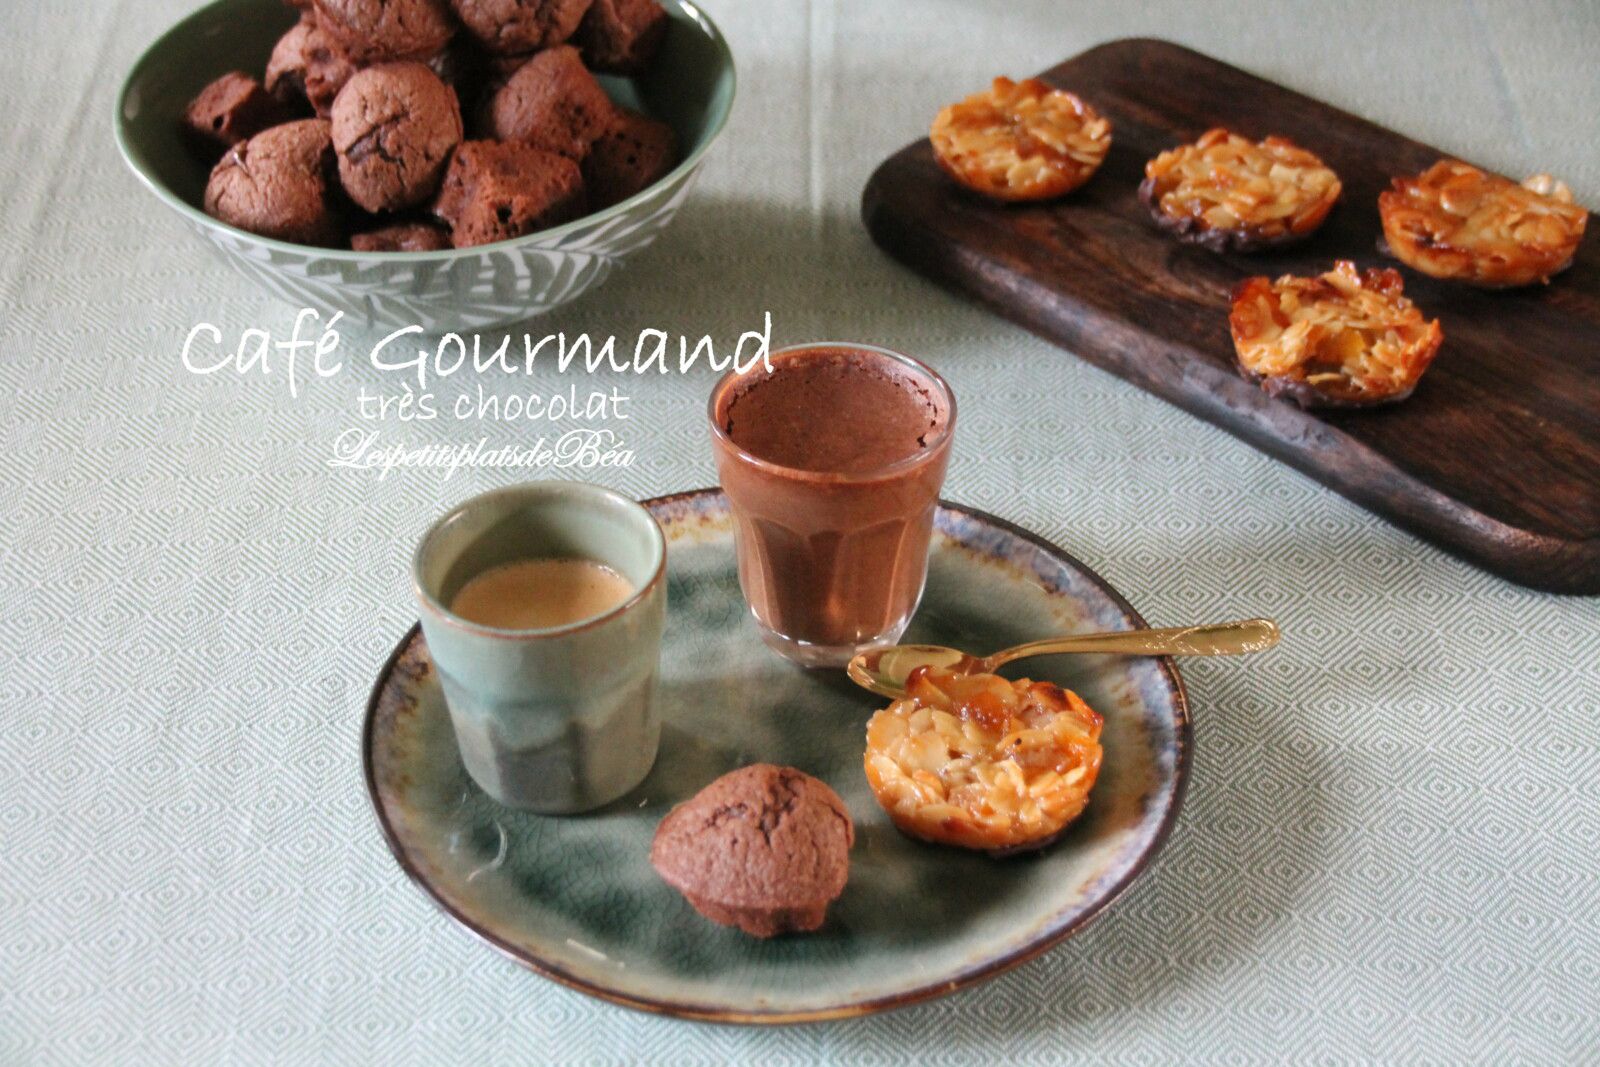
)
(1217, 639)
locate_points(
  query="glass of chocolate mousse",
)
(832, 461)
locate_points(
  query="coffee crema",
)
(537, 594)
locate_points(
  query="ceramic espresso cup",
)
(556, 720)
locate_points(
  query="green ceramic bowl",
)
(690, 86)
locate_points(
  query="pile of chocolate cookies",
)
(359, 132)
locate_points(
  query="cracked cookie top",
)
(394, 126)
(376, 30)
(514, 27)
(759, 838)
(278, 184)
(551, 102)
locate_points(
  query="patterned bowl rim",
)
(980, 972)
(541, 239)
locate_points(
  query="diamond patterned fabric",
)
(1389, 848)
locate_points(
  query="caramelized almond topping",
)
(1456, 221)
(1265, 192)
(1021, 141)
(1350, 335)
(981, 762)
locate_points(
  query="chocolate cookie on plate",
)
(763, 848)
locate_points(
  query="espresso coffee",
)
(832, 460)
(537, 594)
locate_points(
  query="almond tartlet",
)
(1346, 338)
(1229, 194)
(1021, 141)
(981, 762)
(1457, 222)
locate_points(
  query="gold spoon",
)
(884, 670)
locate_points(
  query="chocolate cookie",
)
(231, 109)
(402, 237)
(763, 848)
(393, 128)
(496, 190)
(510, 26)
(551, 102)
(286, 66)
(632, 154)
(622, 36)
(309, 62)
(376, 30)
(279, 184)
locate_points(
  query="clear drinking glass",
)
(833, 562)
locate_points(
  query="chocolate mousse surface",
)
(764, 848)
(891, 415)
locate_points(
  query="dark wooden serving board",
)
(1496, 457)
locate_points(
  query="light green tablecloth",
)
(1391, 844)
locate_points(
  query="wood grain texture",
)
(1496, 457)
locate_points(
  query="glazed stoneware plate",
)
(575, 897)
